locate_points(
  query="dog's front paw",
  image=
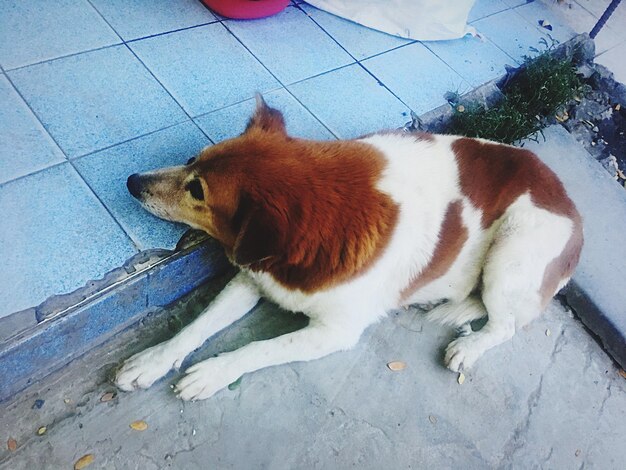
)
(205, 379)
(463, 352)
(146, 367)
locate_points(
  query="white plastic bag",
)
(423, 20)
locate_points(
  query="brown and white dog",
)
(345, 231)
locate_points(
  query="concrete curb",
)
(70, 325)
(597, 291)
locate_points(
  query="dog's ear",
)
(266, 118)
(259, 236)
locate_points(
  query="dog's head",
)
(221, 191)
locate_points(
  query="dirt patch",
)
(598, 120)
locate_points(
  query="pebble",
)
(11, 444)
(396, 366)
(38, 404)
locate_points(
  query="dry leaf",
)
(577, 453)
(108, 396)
(621, 174)
(618, 107)
(396, 365)
(42, 430)
(432, 419)
(139, 425)
(66, 401)
(622, 372)
(548, 332)
(461, 378)
(12, 444)
(84, 461)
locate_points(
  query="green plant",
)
(538, 89)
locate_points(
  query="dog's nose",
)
(134, 185)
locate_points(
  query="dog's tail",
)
(458, 313)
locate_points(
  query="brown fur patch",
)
(306, 212)
(493, 176)
(452, 236)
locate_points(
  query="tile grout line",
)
(108, 147)
(283, 86)
(78, 157)
(78, 173)
(129, 235)
(33, 173)
(74, 54)
(117, 222)
(167, 91)
(459, 73)
(39, 120)
(164, 33)
(357, 61)
(125, 43)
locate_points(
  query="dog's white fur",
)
(507, 256)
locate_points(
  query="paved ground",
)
(542, 401)
(550, 398)
(93, 90)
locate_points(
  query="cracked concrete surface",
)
(540, 401)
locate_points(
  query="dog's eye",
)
(191, 160)
(195, 188)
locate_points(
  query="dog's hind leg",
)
(146, 367)
(513, 274)
(312, 342)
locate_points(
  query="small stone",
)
(461, 378)
(618, 107)
(84, 461)
(139, 425)
(460, 108)
(42, 430)
(38, 404)
(548, 332)
(432, 419)
(67, 401)
(193, 432)
(11, 444)
(108, 396)
(577, 453)
(396, 366)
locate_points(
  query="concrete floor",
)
(550, 398)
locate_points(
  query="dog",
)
(345, 231)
